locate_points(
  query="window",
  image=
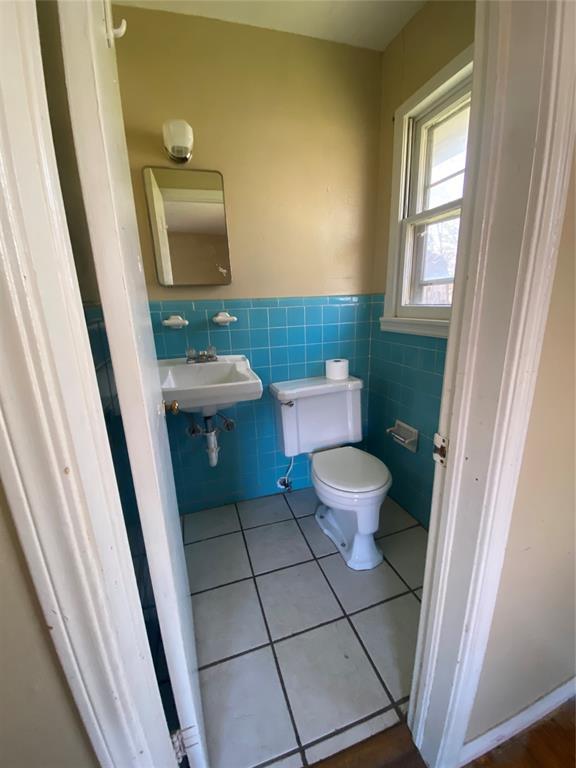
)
(431, 137)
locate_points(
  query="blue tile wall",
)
(284, 338)
(287, 338)
(406, 374)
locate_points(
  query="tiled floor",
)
(299, 656)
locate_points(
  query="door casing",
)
(494, 347)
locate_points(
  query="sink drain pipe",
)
(212, 447)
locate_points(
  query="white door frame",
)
(55, 460)
(521, 149)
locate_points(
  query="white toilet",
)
(320, 416)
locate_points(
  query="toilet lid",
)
(349, 469)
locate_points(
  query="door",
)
(159, 228)
(97, 123)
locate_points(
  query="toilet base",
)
(359, 550)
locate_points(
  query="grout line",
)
(348, 727)
(233, 656)
(247, 578)
(380, 602)
(217, 586)
(309, 629)
(402, 530)
(264, 525)
(354, 630)
(274, 760)
(275, 656)
(402, 579)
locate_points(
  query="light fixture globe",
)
(178, 140)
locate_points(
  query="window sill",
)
(420, 327)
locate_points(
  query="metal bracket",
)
(179, 745)
(440, 452)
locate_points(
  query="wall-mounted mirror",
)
(188, 220)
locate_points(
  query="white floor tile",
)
(210, 522)
(303, 502)
(245, 713)
(352, 736)
(275, 546)
(270, 509)
(228, 620)
(329, 680)
(296, 599)
(393, 518)
(216, 562)
(406, 551)
(359, 589)
(319, 542)
(294, 761)
(389, 633)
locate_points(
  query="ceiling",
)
(363, 23)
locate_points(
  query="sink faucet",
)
(204, 356)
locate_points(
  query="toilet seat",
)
(350, 470)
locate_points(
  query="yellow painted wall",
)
(39, 723)
(431, 39)
(532, 644)
(291, 122)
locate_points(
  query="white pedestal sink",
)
(209, 387)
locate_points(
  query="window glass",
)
(434, 249)
(445, 158)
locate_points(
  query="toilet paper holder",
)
(404, 435)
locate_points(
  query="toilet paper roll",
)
(337, 369)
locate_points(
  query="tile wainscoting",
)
(289, 338)
(284, 338)
(406, 373)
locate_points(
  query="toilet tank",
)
(317, 413)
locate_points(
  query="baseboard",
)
(500, 733)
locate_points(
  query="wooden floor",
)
(548, 744)
(393, 747)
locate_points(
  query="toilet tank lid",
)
(317, 385)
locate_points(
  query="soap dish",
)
(405, 435)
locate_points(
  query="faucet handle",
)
(190, 353)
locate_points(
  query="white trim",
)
(96, 117)
(520, 722)
(458, 70)
(54, 454)
(416, 325)
(521, 145)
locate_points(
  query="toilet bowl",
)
(351, 485)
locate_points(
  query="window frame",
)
(447, 92)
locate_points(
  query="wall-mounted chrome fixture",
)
(178, 140)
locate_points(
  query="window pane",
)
(433, 263)
(446, 159)
(446, 191)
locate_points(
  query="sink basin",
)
(209, 387)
